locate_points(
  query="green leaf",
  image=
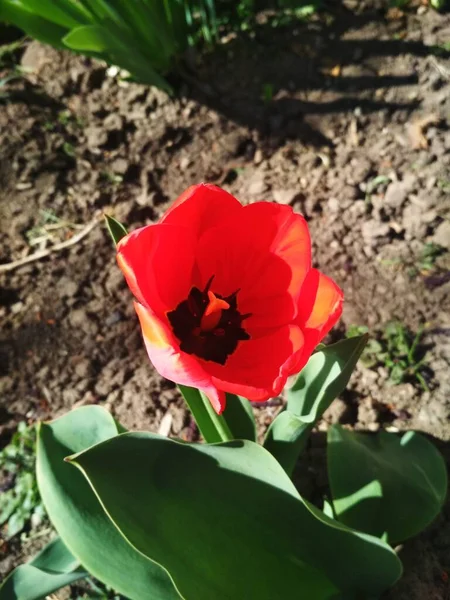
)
(16, 522)
(324, 377)
(64, 14)
(226, 521)
(118, 46)
(77, 515)
(240, 418)
(53, 568)
(33, 25)
(319, 383)
(383, 484)
(116, 230)
(92, 38)
(286, 438)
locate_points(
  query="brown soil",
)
(355, 97)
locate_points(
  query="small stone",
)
(442, 235)
(113, 122)
(285, 196)
(119, 166)
(258, 157)
(333, 205)
(23, 185)
(70, 396)
(336, 412)
(96, 136)
(69, 288)
(113, 318)
(17, 307)
(77, 317)
(83, 368)
(257, 187)
(395, 194)
(372, 229)
(185, 162)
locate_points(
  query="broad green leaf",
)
(323, 378)
(319, 383)
(116, 230)
(53, 568)
(383, 484)
(77, 515)
(226, 521)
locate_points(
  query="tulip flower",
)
(226, 295)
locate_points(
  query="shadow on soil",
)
(279, 81)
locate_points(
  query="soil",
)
(345, 118)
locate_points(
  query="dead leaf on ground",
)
(336, 71)
(417, 129)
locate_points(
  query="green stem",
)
(213, 427)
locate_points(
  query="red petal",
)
(201, 207)
(266, 254)
(320, 308)
(170, 362)
(258, 369)
(320, 302)
(157, 262)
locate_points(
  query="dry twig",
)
(56, 248)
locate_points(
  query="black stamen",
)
(208, 285)
(216, 344)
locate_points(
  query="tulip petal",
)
(201, 207)
(265, 254)
(258, 369)
(320, 302)
(173, 364)
(157, 262)
(320, 308)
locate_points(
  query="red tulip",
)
(226, 295)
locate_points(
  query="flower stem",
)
(212, 426)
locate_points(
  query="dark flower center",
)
(208, 325)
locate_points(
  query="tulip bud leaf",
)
(384, 484)
(323, 378)
(53, 568)
(240, 418)
(116, 230)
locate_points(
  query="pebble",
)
(333, 205)
(17, 307)
(257, 187)
(285, 196)
(83, 368)
(442, 235)
(258, 157)
(113, 122)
